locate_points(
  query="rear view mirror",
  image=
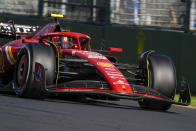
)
(30, 41)
(115, 50)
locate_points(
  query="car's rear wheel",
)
(24, 72)
(161, 75)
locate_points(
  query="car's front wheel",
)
(24, 72)
(161, 76)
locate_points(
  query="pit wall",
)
(179, 46)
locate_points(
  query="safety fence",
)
(193, 15)
(166, 14)
(175, 14)
(158, 13)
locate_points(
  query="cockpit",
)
(69, 40)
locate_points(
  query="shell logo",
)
(123, 87)
(104, 64)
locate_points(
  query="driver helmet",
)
(65, 42)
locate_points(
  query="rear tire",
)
(162, 77)
(24, 76)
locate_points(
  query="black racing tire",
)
(24, 70)
(162, 78)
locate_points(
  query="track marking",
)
(190, 107)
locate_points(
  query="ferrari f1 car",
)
(51, 60)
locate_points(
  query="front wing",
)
(100, 88)
(146, 93)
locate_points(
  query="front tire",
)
(161, 75)
(24, 70)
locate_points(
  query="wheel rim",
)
(22, 70)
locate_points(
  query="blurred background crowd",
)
(169, 14)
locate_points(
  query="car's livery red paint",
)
(102, 65)
(74, 48)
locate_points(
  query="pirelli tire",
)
(24, 71)
(161, 74)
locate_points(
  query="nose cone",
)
(113, 76)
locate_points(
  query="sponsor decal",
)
(7, 28)
(110, 74)
(93, 55)
(110, 69)
(113, 72)
(120, 82)
(117, 77)
(104, 64)
(96, 56)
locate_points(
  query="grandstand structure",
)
(167, 14)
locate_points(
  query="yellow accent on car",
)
(10, 54)
(55, 15)
(124, 87)
(148, 67)
(104, 64)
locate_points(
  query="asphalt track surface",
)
(21, 114)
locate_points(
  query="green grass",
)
(193, 99)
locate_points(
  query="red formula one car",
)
(52, 60)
